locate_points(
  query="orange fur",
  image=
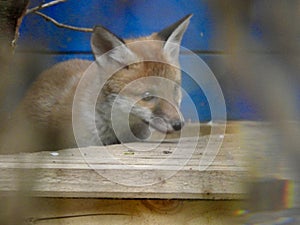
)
(47, 107)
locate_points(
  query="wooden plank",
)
(67, 175)
(49, 211)
(130, 174)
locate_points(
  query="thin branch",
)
(63, 25)
(43, 6)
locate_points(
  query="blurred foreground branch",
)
(264, 61)
(11, 15)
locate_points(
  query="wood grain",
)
(58, 211)
(80, 174)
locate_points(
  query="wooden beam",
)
(49, 211)
(74, 173)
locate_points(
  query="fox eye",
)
(147, 96)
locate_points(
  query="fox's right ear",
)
(105, 42)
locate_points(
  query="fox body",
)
(140, 80)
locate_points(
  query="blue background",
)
(132, 19)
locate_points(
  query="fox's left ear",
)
(172, 35)
(111, 47)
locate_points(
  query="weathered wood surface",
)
(61, 211)
(68, 174)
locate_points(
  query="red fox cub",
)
(140, 90)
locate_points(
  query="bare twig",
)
(43, 6)
(63, 25)
(46, 5)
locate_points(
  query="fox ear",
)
(173, 34)
(103, 41)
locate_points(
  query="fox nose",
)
(177, 124)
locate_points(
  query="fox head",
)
(145, 81)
